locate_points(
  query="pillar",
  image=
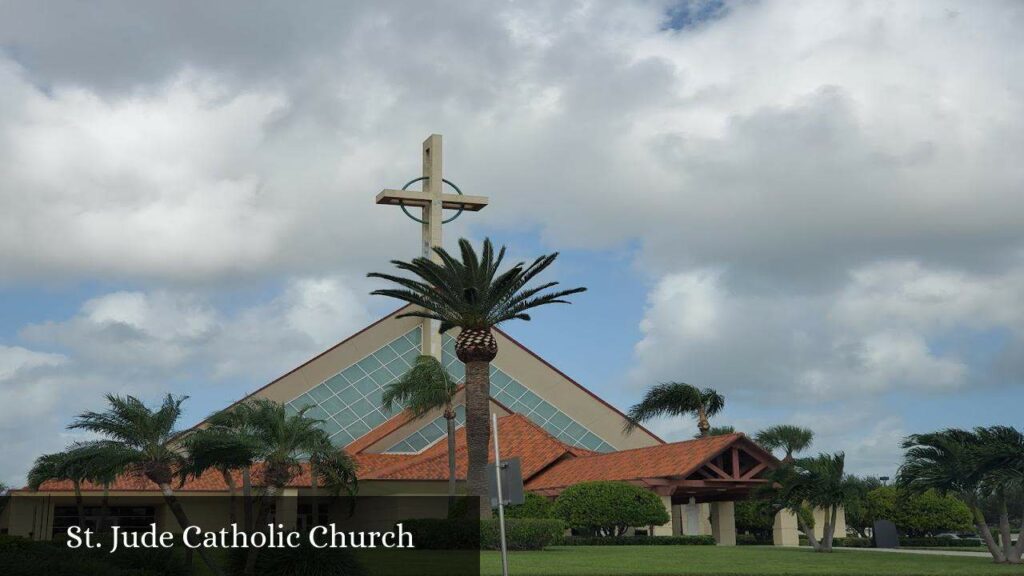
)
(287, 510)
(677, 520)
(784, 531)
(723, 523)
(821, 515)
(665, 529)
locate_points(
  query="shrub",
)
(301, 561)
(918, 514)
(535, 506)
(520, 533)
(637, 541)
(940, 542)
(444, 534)
(609, 508)
(752, 540)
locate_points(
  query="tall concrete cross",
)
(433, 201)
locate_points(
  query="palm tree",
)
(138, 440)
(820, 482)
(427, 386)
(677, 399)
(472, 296)
(791, 439)
(61, 466)
(1000, 453)
(717, 431)
(262, 430)
(948, 462)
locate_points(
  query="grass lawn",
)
(732, 561)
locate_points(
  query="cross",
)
(433, 201)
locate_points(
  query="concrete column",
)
(691, 518)
(821, 515)
(723, 523)
(677, 520)
(704, 512)
(287, 510)
(784, 531)
(665, 529)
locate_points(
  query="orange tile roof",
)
(213, 481)
(519, 436)
(663, 460)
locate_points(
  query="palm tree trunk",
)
(810, 533)
(261, 519)
(79, 505)
(1004, 528)
(1018, 548)
(247, 498)
(104, 508)
(702, 421)
(450, 421)
(232, 495)
(986, 535)
(182, 518)
(830, 530)
(478, 431)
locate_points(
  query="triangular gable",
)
(343, 384)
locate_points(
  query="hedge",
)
(635, 541)
(443, 533)
(520, 533)
(609, 508)
(931, 542)
(23, 557)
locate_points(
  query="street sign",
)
(511, 483)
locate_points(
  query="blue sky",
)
(804, 205)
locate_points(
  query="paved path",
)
(936, 552)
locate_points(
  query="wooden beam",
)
(415, 198)
(721, 473)
(753, 471)
(735, 462)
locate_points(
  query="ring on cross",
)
(420, 179)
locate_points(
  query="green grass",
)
(949, 548)
(733, 561)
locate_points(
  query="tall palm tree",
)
(791, 439)
(948, 462)
(676, 399)
(820, 482)
(58, 466)
(473, 296)
(263, 431)
(425, 387)
(139, 440)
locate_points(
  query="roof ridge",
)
(735, 435)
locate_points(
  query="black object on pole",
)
(511, 483)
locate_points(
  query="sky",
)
(813, 207)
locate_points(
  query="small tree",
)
(535, 506)
(791, 439)
(609, 508)
(819, 482)
(676, 399)
(427, 386)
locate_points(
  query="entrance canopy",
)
(717, 468)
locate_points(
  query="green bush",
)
(535, 506)
(443, 533)
(609, 508)
(918, 514)
(301, 561)
(23, 557)
(752, 540)
(940, 542)
(520, 533)
(637, 541)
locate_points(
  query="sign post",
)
(501, 501)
